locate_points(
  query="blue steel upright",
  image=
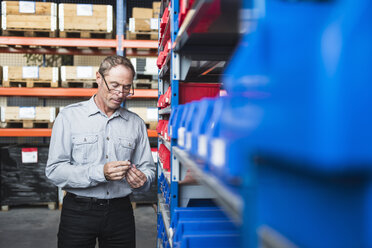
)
(309, 63)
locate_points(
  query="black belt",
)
(95, 200)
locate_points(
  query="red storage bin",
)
(160, 126)
(189, 92)
(185, 6)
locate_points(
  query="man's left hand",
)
(135, 177)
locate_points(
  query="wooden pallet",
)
(51, 205)
(29, 33)
(85, 34)
(79, 84)
(30, 83)
(142, 35)
(26, 124)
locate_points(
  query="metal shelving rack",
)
(72, 46)
(194, 55)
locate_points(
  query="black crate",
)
(25, 183)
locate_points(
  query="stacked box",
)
(31, 75)
(22, 15)
(149, 115)
(142, 20)
(27, 115)
(23, 180)
(85, 17)
(71, 75)
(156, 9)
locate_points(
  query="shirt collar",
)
(92, 106)
(93, 109)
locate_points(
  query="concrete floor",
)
(25, 227)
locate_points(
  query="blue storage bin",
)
(203, 227)
(181, 126)
(199, 130)
(174, 121)
(309, 75)
(196, 212)
(230, 240)
(190, 122)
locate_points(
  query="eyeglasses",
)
(125, 88)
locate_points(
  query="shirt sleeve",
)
(59, 168)
(143, 158)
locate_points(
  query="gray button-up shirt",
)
(84, 139)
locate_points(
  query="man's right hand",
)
(115, 170)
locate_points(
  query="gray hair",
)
(113, 61)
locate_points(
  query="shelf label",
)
(29, 155)
(109, 19)
(61, 13)
(202, 145)
(152, 114)
(27, 112)
(181, 136)
(218, 147)
(26, 7)
(3, 15)
(170, 130)
(5, 73)
(2, 114)
(84, 9)
(55, 74)
(63, 73)
(30, 72)
(188, 140)
(154, 23)
(52, 112)
(84, 72)
(53, 16)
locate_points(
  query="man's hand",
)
(135, 177)
(116, 170)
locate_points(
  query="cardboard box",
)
(156, 9)
(141, 13)
(28, 15)
(85, 17)
(47, 114)
(30, 74)
(71, 73)
(139, 24)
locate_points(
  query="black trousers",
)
(83, 220)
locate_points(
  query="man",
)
(99, 152)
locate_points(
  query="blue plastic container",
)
(218, 240)
(203, 227)
(181, 126)
(199, 130)
(313, 141)
(196, 212)
(175, 121)
(190, 122)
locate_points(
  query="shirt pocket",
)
(85, 148)
(124, 148)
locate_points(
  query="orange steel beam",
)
(75, 42)
(42, 132)
(61, 51)
(20, 132)
(68, 42)
(68, 92)
(48, 92)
